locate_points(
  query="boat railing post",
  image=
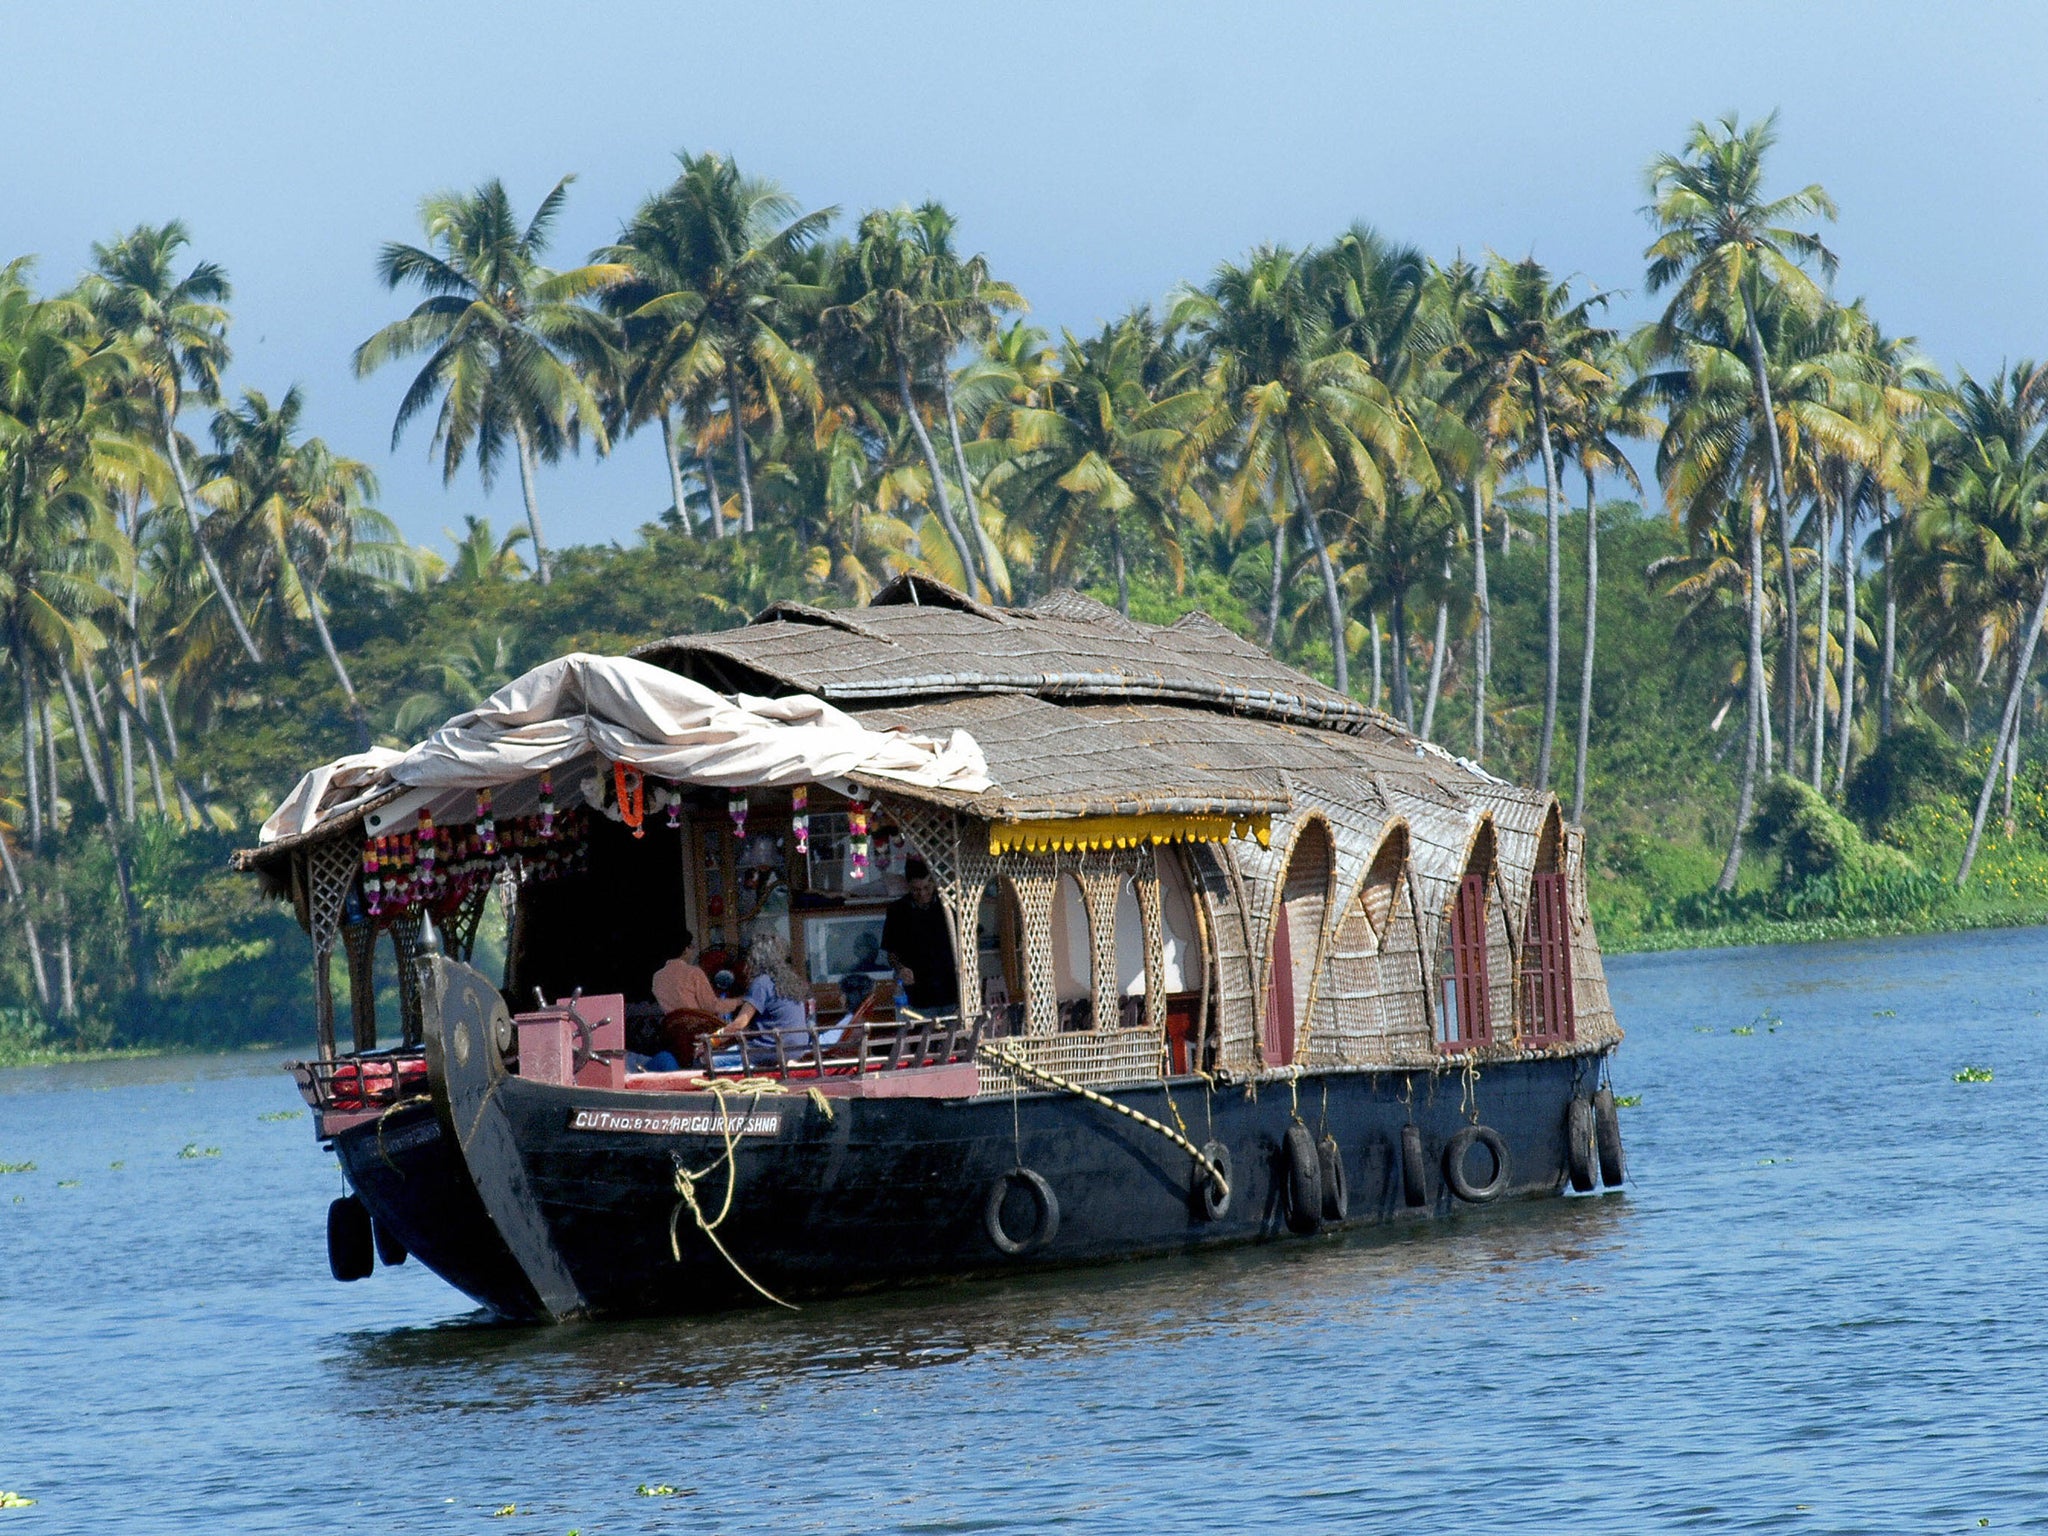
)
(860, 1059)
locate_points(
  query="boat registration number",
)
(677, 1122)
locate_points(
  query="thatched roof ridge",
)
(920, 640)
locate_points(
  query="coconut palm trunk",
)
(1756, 708)
(1846, 719)
(1784, 521)
(1404, 699)
(1886, 663)
(1123, 575)
(1379, 687)
(1482, 636)
(734, 415)
(709, 463)
(981, 538)
(1279, 574)
(1333, 601)
(1551, 658)
(17, 894)
(672, 453)
(931, 458)
(1820, 645)
(31, 781)
(1586, 652)
(213, 571)
(2008, 725)
(1436, 661)
(529, 470)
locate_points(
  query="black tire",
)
(1414, 1170)
(350, 1255)
(1579, 1148)
(1336, 1185)
(1607, 1126)
(1304, 1179)
(1045, 1224)
(390, 1246)
(1212, 1203)
(1455, 1154)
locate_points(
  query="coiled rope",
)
(686, 1187)
(1018, 1066)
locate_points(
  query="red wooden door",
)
(1547, 963)
(1280, 996)
(1462, 982)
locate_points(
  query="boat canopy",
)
(580, 706)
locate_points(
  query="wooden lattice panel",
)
(1090, 1057)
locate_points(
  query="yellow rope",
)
(391, 1109)
(686, 1187)
(1019, 1067)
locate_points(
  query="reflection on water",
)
(1059, 1317)
(1820, 1307)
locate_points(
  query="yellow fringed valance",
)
(1085, 832)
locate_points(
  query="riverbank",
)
(1819, 930)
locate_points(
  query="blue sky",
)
(1097, 153)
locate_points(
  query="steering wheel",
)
(586, 1045)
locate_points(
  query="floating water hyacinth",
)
(12, 1500)
(192, 1150)
(1974, 1075)
(17, 1167)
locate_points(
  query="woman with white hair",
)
(773, 1006)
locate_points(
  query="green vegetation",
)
(1974, 1075)
(1805, 698)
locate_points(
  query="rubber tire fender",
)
(1607, 1124)
(1042, 1232)
(1580, 1152)
(1336, 1185)
(1212, 1204)
(390, 1246)
(350, 1255)
(1304, 1186)
(1414, 1169)
(1468, 1137)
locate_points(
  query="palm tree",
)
(1722, 247)
(1987, 516)
(706, 273)
(1541, 342)
(894, 296)
(1597, 412)
(1291, 410)
(1095, 455)
(506, 338)
(177, 328)
(299, 510)
(481, 557)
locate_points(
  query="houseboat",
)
(1233, 958)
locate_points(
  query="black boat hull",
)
(543, 1201)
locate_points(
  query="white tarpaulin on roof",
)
(636, 713)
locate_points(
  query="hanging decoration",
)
(486, 825)
(373, 884)
(427, 850)
(669, 796)
(736, 808)
(547, 805)
(799, 817)
(630, 787)
(857, 838)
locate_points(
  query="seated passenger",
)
(772, 1007)
(682, 988)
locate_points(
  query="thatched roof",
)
(919, 639)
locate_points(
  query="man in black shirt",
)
(916, 937)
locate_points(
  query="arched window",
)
(1547, 1013)
(1297, 935)
(999, 928)
(1073, 955)
(1132, 974)
(1464, 1012)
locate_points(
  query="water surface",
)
(1820, 1307)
